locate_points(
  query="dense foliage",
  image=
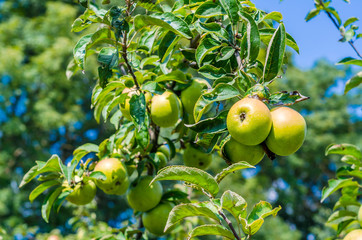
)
(225, 50)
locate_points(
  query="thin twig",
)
(230, 225)
(337, 26)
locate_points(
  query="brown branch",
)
(337, 26)
(230, 225)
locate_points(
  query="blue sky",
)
(317, 38)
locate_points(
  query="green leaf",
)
(41, 188)
(140, 119)
(208, 141)
(350, 160)
(72, 69)
(61, 198)
(166, 20)
(211, 125)
(286, 98)
(341, 216)
(344, 149)
(212, 28)
(262, 210)
(276, 16)
(211, 229)
(152, 60)
(84, 150)
(256, 217)
(206, 46)
(225, 54)
(153, 87)
(190, 175)
(355, 81)
(336, 184)
(48, 203)
(176, 75)
(108, 56)
(267, 33)
(334, 13)
(209, 9)
(313, 13)
(349, 21)
(232, 8)
(104, 74)
(232, 168)
(275, 54)
(234, 204)
(173, 195)
(348, 172)
(222, 91)
(167, 45)
(31, 174)
(350, 61)
(212, 72)
(182, 211)
(98, 175)
(253, 37)
(79, 50)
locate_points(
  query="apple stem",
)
(267, 151)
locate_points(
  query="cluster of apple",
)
(251, 124)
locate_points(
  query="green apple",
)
(288, 131)
(116, 181)
(125, 107)
(195, 158)
(144, 196)
(156, 219)
(237, 152)
(359, 216)
(161, 160)
(83, 193)
(190, 95)
(166, 109)
(165, 150)
(354, 235)
(249, 121)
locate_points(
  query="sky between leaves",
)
(317, 38)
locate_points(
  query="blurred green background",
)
(43, 113)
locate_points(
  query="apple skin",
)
(249, 121)
(288, 131)
(359, 216)
(237, 152)
(83, 193)
(144, 197)
(155, 220)
(166, 109)
(125, 107)
(165, 150)
(190, 95)
(162, 160)
(354, 235)
(117, 181)
(195, 158)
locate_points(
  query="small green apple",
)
(144, 196)
(238, 152)
(125, 107)
(155, 220)
(288, 131)
(116, 181)
(161, 160)
(249, 121)
(166, 109)
(195, 158)
(83, 193)
(190, 95)
(354, 235)
(165, 150)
